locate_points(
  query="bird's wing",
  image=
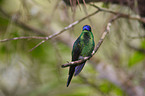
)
(75, 56)
(78, 69)
(77, 49)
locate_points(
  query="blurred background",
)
(117, 69)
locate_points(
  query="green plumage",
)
(82, 47)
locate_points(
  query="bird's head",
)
(86, 27)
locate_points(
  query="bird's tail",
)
(79, 68)
(71, 72)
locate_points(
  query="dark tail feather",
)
(78, 69)
(71, 72)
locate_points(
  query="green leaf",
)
(136, 58)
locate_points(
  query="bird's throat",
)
(86, 35)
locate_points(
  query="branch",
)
(66, 28)
(121, 15)
(37, 45)
(106, 31)
(18, 38)
(30, 28)
(25, 26)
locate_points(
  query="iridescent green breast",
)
(87, 43)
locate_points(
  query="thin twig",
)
(121, 15)
(106, 31)
(37, 45)
(137, 37)
(18, 38)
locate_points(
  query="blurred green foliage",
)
(136, 58)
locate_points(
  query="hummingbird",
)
(82, 47)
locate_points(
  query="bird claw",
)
(81, 57)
